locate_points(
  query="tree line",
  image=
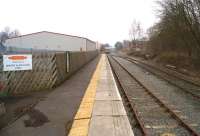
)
(178, 29)
(7, 33)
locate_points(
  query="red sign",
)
(17, 57)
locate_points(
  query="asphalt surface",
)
(53, 115)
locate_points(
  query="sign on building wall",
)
(17, 62)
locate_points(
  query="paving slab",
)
(109, 117)
(107, 95)
(110, 126)
(108, 108)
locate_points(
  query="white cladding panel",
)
(90, 45)
(49, 41)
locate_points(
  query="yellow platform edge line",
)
(82, 118)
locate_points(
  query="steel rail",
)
(190, 81)
(131, 105)
(162, 71)
(176, 76)
(191, 130)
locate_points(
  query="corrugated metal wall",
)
(51, 41)
(90, 45)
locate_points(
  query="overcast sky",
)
(106, 21)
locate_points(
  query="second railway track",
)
(190, 87)
(152, 113)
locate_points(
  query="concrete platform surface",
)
(109, 117)
(101, 112)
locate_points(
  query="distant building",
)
(51, 41)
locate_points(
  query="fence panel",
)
(49, 70)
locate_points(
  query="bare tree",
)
(178, 30)
(136, 31)
(133, 30)
(3, 37)
(118, 45)
(5, 34)
(14, 33)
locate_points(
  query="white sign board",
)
(17, 62)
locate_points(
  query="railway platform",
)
(87, 104)
(101, 112)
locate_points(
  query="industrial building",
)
(45, 40)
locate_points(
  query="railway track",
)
(153, 116)
(188, 86)
(171, 71)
